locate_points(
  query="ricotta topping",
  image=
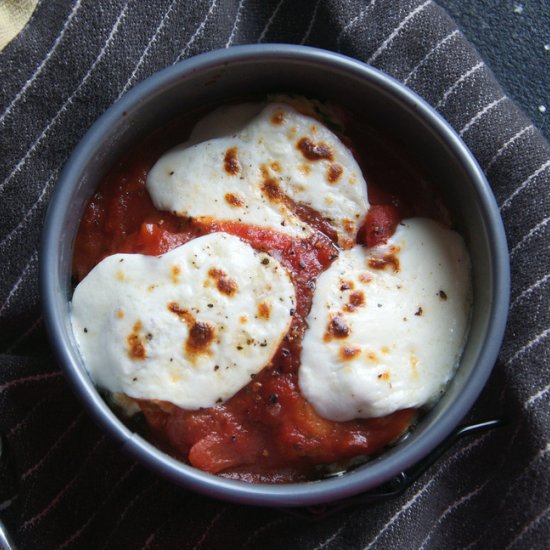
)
(191, 326)
(387, 325)
(255, 168)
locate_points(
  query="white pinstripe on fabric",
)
(524, 184)
(311, 22)
(42, 64)
(453, 506)
(25, 335)
(208, 528)
(40, 403)
(128, 507)
(528, 526)
(151, 42)
(456, 503)
(70, 99)
(15, 287)
(507, 144)
(440, 468)
(531, 233)
(528, 291)
(397, 30)
(33, 378)
(332, 537)
(536, 396)
(358, 17)
(398, 514)
(28, 523)
(261, 530)
(270, 20)
(533, 342)
(480, 114)
(30, 471)
(7, 239)
(428, 56)
(509, 445)
(149, 540)
(512, 484)
(235, 24)
(454, 86)
(198, 31)
(98, 508)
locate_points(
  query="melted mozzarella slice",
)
(387, 325)
(191, 326)
(258, 173)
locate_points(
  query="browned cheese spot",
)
(442, 294)
(120, 276)
(225, 284)
(119, 314)
(347, 353)
(183, 314)
(305, 169)
(372, 357)
(231, 162)
(334, 173)
(389, 260)
(243, 319)
(346, 285)
(314, 151)
(278, 118)
(349, 226)
(175, 272)
(275, 166)
(201, 336)
(384, 376)
(365, 277)
(385, 349)
(136, 348)
(272, 190)
(337, 328)
(264, 310)
(234, 200)
(356, 300)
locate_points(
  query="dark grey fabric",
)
(68, 485)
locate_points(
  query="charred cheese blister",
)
(192, 326)
(387, 325)
(257, 174)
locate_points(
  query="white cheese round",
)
(192, 326)
(387, 325)
(256, 174)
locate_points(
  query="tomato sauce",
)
(267, 432)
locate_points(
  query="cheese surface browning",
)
(387, 324)
(258, 175)
(191, 327)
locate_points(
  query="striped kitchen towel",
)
(66, 485)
